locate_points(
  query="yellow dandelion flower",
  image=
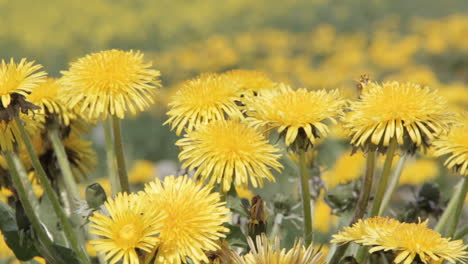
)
(419, 171)
(18, 79)
(324, 219)
(142, 171)
(194, 222)
(347, 168)
(266, 252)
(229, 152)
(5, 251)
(110, 82)
(243, 191)
(10, 130)
(130, 225)
(250, 80)
(80, 153)
(296, 114)
(406, 111)
(406, 240)
(208, 97)
(455, 144)
(48, 96)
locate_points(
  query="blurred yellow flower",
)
(131, 224)
(407, 240)
(195, 218)
(297, 114)
(110, 82)
(208, 97)
(323, 217)
(142, 171)
(419, 171)
(18, 79)
(347, 168)
(455, 145)
(249, 80)
(411, 114)
(243, 191)
(229, 152)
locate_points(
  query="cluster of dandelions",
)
(227, 121)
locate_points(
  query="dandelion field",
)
(243, 132)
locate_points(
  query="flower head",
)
(266, 252)
(455, 144)
(195, 218)
(229, 152)
(299, 115)
(406, 240)
(411, 114)
(142, 171)
(208, 97)
(348, 167)
(18, 79)
(80, 153)
(419, 171)
(48, 96)
(130, 226)
(110, 82)
(10, 131)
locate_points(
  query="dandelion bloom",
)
(419, 171)
(194, 223)
(266, 252)
(18, 79)
(80, 153)
(411, 114)
(455, 144)
(296, 114)
(49, 97)
(348, 167)
(406, 240)
(208, 97)
(10, 131)
(229, 152)
(129, 226)
(110, 82)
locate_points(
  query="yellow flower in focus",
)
(407, 240)
(142, 171)
(347, 168)
(229, 152)
(110, 82)
(131, 225)
(406, 111)
(10, 130)
(195, 218)
(455, 145)
(48, 96)
(18, 79)
(265, 252)
(248, 80)
(208, 97)
(323, 217)
(419, 171)
(295, 113)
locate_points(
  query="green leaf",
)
(66, 254)
(19, 241)
(235, 236)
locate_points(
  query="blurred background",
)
(307, 43)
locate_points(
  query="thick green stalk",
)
(28, 208)
(451, 207)
(306, 205)
(120, 155)
(460, 199)
(49, 191)
(110, 155)
(393, 183)
(23, 174)
(362, 203)
(384, 178)
(64, 164)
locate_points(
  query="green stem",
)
(460, 199)
(362, 203)
(49, 191)
(110, 154)
(462, 232)
(120, 155)
(384, 178)
(393, 183)
(306, 206)
(23, 174)
(64, 164)
(451, 207)
(28, 208)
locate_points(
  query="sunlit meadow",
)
(243, 132)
